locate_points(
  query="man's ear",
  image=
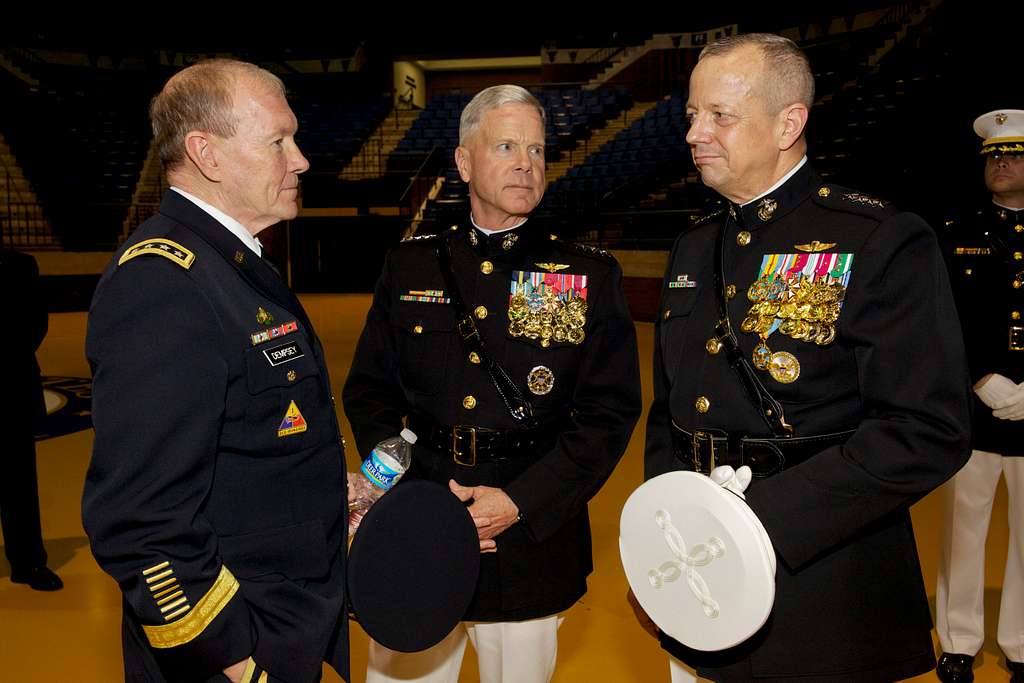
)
(462, 163)
(791, 123)
(201, 149)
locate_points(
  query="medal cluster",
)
(547, 317)
(801, 308)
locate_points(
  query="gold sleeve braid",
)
(196, 620)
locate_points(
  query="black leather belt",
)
(706, 449)
(469, 445)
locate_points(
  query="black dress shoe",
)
(955, 668)
(1016, 671)
(38, 579)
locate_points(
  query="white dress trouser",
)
(507, 652)
(681, 673)
(959, 601)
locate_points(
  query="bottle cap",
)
(408, 435)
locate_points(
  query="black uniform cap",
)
(413, 566)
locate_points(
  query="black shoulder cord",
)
(519, 407)
(769, 409)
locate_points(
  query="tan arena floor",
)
(73, 635)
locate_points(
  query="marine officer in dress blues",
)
(216, 493)
(818, 345)
(986, 259)
(512, 355)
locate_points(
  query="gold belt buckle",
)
(1017, 338)
(458, 434)
(703, 440)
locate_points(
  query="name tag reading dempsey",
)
(284, 353)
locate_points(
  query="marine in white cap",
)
(986, 257)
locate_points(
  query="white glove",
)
(994, 388)
(736, 481)
(1011, 407)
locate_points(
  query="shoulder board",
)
(842, 199)
(159, 246)
(584, 249)
(420, 238)
(706, 218)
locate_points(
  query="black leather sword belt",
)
(706, 449)
(469, 445)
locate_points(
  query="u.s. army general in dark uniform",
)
(216, 493)
(553, 317)
(839, 307)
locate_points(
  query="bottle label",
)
(379, 473)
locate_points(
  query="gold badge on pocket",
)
(540, 380)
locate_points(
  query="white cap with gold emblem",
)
(699, 561)
(1001, 131)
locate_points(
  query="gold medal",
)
(762, 356)
(826, 336)
(784, 367)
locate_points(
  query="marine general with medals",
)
(807, 331)
(513, 357)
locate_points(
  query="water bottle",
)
(381, 470)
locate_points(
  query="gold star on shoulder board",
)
(553, 267)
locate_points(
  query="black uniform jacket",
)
(411, 360)
(216, 492)
(985, 253)
(850, 602)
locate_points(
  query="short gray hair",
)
(492, 98)
(200, 97)
(787, 72)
